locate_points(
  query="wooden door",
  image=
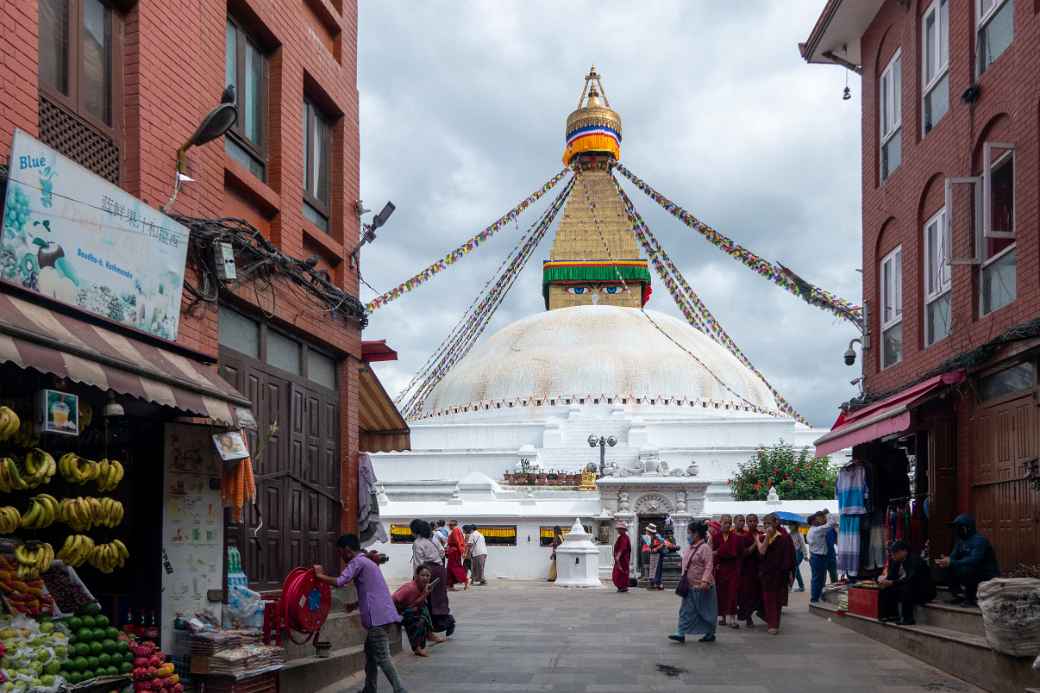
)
(1006, 506)
(297, 474)
(942, 483)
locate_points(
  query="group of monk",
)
(754, 567)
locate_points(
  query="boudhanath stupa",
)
(504, 439)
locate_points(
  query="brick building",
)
(951, 254)
(118, 85)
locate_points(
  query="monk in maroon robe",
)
(729, 553)
(776, 560)
(622, 558)
(749, 595)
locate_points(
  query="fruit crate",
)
(99, 684)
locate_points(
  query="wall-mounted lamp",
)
(369, 233)
(216, 123)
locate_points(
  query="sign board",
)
(58, 412)
(71, 235)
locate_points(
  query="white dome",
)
(598, 352)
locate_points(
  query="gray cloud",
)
(462, 114)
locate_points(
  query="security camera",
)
(850, 355)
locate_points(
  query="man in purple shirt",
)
(376, 605)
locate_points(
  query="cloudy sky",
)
(462, 114)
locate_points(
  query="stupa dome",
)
(599, 354)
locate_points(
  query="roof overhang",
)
(890, 415)
(377, 350)
(835, 39)
(382, 428)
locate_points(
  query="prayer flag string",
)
(469, 246)
(687, 300)
(472, 325)
(776, 273)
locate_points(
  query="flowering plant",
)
(797, 475)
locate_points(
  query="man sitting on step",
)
(905, 583)
(971, 562)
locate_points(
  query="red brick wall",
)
(894, 211)
(173, 60)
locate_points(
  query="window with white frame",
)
(937, 280)
(935, 63)
(892, 308)
(998, 281)
(995, 28)
(891, 112)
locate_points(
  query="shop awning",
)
(32, 336)
(383, 429)
(890, 415)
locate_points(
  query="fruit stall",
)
(80, 490)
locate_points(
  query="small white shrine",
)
(577, 559)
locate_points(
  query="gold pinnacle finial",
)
(593, 126)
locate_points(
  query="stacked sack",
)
(1011, 613)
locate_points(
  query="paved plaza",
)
(534, 636)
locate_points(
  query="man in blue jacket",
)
(971, 562)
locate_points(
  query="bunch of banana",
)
(26, 436)
(33, 562)
(80, 513)
(77, 550)
(77, 470)
(10, 519)
(108, 557)
(42, 513)
(10, 477)
(9, 423)
(110, 513)
(110, 473)
(39, 467)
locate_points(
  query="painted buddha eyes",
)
(580, 290)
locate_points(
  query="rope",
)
(472, 325)
(464, 249)
(701, 363)
(778, 274)
(683, 294)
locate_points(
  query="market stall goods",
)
(33, 652)
(110, 473)
(82, 514)
(151, 671)
(78, 470)
(10, 423)
(34, 560)
(108, 557)
(10, 477)
(77, 550)
(43, 511)
(69, 594)
(24, 596)
(39, 467)
(96, 649)
(10, 519)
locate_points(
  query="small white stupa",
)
(577, 559)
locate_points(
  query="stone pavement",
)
(534, 636)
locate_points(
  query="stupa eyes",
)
(613, 289)
(577, 290)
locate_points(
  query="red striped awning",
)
(32, 336)
(890, 415)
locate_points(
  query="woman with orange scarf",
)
(454, 553)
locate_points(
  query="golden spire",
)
(594, 126)
(594, 257)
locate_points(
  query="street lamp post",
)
(602, 443)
